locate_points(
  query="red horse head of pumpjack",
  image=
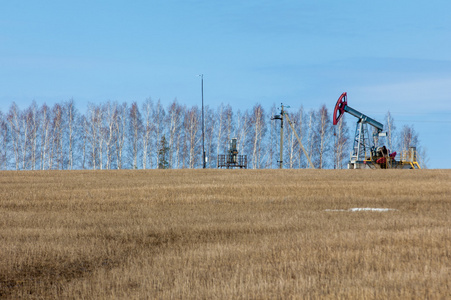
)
(340, 108)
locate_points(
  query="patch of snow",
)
(370, 209)
(363, 209)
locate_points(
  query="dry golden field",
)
(225, 234)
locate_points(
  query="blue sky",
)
(387, 55)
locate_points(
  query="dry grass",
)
(207, 234)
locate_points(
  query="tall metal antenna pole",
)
(281, 137)
(203, 134)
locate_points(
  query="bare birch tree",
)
(228, 125)
(274, 131)
(292, 145)
(109, 119)
(220, 130)
(4, 142)
(243, 128)
(71, 125)
(258, 130)
(224, 128)
(210, 128)
(408, 138)
(30, 136)
(25, 119)
(135, 128)
(390, 128)
(300, 126)
(324, 131)
(311, 134)
(84, 144)
(120, 128)
(148, 128)
(94, 135)
(44, 112)
(341, 143)
(57, 138)
(158, 121)
(175, 120)
(16, 136)
(192, 129)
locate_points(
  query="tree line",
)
(149, 135)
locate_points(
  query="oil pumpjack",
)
(365, 155)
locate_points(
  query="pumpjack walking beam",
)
(342, 106)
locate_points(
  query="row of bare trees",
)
(116, 135)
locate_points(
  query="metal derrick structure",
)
(365, 155)
(232, 159)
(280, 117)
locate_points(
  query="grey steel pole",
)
(203, 134)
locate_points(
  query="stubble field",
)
(226, 234)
